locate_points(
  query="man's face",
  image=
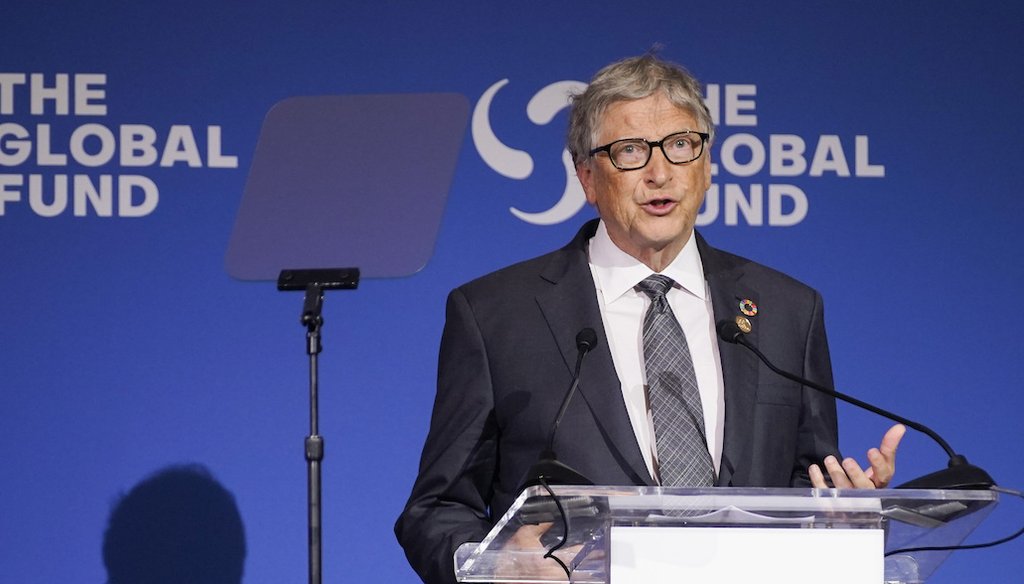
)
(649, 212)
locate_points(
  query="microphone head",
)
(586, 340)
(729, 331)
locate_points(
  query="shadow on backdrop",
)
(178, 526)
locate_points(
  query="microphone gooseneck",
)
(548, 468)
(958, 475)
(586, 340)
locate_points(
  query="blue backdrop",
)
(872, 150)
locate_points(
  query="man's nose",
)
(658, 169)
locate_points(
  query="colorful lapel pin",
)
(748, 307)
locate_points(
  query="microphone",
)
(548, 469)
(959, 474)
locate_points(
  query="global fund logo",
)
(740, 159)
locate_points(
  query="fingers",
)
(856, 475)
(891, 440)
(849, 474)
(841, 475)
(533, 565)
(528, 536)
(882, 468)
(883, 458)
(817, 477)
(844, 475)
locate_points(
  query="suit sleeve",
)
(449, 504)
(819, 429)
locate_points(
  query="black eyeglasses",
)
(635, 153)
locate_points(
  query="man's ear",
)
(586, 176)
(707, 168)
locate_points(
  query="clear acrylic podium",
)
(896, 519)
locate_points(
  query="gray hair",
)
(627, 80)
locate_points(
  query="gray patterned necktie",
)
(683, 458)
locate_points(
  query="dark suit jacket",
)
(506, 360)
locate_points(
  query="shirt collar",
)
(617, 272)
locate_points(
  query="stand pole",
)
(314, 442)
(314, 282)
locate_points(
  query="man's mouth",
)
(659, 206)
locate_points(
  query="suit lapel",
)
(570, 305)
(739, 366)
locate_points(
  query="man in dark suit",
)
(639, 137)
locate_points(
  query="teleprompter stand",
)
(308, 202)
(314, 282)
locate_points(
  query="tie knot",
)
(655, 286)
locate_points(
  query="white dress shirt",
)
(616, 274)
